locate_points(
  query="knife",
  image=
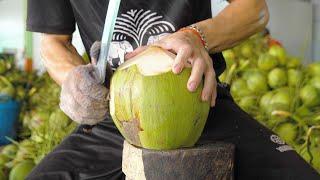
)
(109, 24)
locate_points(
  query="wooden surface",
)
(208, 162)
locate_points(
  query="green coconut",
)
(315, 138)
(8, 91)
(295, 77)
(6, 87)
(10, 151)
(247, 50)
(280, 53)
(38, 119)
(293, 62)
(152, 107)
(21, 170)
(315, 82)
(3, 160)
(58, 120)
(239, 88)
(277, 78)
(303, 111)
(314, 69)
(287, 131)
(257, 82)
(2, 174)
(3, 67)
(265, 101)
(309, 96)
(267, 62)
(247, 103)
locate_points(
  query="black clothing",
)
(139, 22)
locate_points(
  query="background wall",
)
(316, 30)
(297, 24)
(291, 21)
(11, 24)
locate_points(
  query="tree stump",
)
(208, 162)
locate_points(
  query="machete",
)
(109, 24)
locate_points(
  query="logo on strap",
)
(283, 146)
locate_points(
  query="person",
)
(260, 154)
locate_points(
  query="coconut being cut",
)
(152, 107)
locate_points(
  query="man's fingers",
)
(209, 85)
(88, 102)
(69, 106)
(196, 74)
(183, 51)
(80, 113)
(89, 95)
(209, 92)
(181, 59)
(64, 108)
(85, 91)
(82, 98)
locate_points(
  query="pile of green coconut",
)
(42, 125)
(281, 91)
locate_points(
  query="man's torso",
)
(139, 22)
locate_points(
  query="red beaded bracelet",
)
(195, 30)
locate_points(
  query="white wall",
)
(297, 24)
(316, 32)
(291, 21)
(37, 62)
(11, 24)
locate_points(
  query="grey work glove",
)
(82, 97)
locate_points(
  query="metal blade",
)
(108, 29)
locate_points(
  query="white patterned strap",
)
(217, 6)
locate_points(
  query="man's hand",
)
(82, 97)
(191, 52)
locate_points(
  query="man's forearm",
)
(59, 56)
(238, 21)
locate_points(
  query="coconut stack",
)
(278, 90)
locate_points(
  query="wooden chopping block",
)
(209, 162)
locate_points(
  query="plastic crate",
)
(9, 115)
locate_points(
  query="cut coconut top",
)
(152, 61)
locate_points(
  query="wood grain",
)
(208, 162)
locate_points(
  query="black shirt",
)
(139, 22)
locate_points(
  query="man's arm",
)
(82, 97)
(59, 56)
(236, 22)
